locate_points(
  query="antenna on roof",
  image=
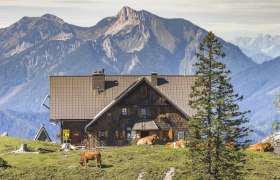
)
(185, 71)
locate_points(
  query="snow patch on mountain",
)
(62, 36)
(134, 61)
(107, 47)
(19, 48)
(262, 44)
(130, 65)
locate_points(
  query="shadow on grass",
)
(5, 166)
(102, 166)
(106, 166)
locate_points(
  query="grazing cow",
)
(88, 155)
(263, 147)
(147, 140)
(177, 144)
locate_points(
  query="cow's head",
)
(81, 163)
(155, 136)
(268, 147)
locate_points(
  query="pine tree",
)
(217, 133)
(3, 163)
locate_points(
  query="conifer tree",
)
(217, 129)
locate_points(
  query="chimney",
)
(98, 80)
(154, 78)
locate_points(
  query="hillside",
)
(118, 163)
(25, 125)
(259, 86)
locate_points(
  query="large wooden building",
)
(116, 110)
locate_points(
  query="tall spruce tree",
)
(217, 129)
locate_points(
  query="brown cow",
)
(147, 140)
(263, 147)
(177, 144)
(88, 155)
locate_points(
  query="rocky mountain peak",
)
(53, 18)
(265, 44)
(129, 14)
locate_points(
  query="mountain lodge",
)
(117, 110)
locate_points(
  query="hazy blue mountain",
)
(259, 86)
(26, 125)
(132, 42)
(262, 44)
(260, 58)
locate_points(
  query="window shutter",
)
(170, 135)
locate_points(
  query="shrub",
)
(3, 163)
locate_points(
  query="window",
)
(117, 134)
(128, 136)
(103, 134)
(133, 134)
(124, 111)
(181, 135)
(143, 111)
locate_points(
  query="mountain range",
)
(132, 42)
(260, 48)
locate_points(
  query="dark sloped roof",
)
(126, 92)
(72, 97)
(42, 134)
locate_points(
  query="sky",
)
(226, 18)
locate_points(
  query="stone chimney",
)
(154, 78)
(98, 80)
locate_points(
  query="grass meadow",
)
(117, 163)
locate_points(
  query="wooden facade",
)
(143, 107)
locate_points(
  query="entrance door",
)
(76, 137)
(144, 133)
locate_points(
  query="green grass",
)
(118, 163)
